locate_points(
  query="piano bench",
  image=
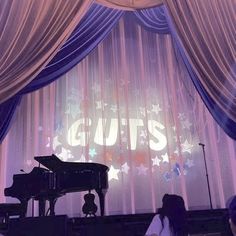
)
(10, 209)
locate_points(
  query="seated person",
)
(171, 219)
(232, 215)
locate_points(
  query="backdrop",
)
(131, 106)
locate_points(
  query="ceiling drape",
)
(205, 32)
(31, 33)
(130, 4)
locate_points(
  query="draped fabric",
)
(129, 4)
(130, 105)
(31, 34)
(205, 34)
(153, 19)
(96, 24)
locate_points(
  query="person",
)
(171, 219)
(232, 215)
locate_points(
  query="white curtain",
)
(131, 106)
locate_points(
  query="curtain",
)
(153, 19)
(130, 105)
(31, 34)
(130, 4)
(205, 34)
(96, 24)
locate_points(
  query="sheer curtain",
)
(130, 105)
(31, 33)
(205, 32)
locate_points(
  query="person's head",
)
(232, 215)
(173, 207)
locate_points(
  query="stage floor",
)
(201, 222)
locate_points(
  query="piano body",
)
(58, 179)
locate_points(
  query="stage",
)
(200, 222)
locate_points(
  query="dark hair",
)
(232, 210)
(173, 208)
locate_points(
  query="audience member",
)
(171, 218)
(232, 215)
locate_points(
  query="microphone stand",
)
(208, 185)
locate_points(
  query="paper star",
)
(156, 161)
(165, 158)
(113, 173)
(186, 146)
(156, 108)
(125, 168)
(92, 152)
(142, 170)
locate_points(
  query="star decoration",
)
(65, 154)
(167, 176)
(143, 133)
(114, 108)
(96, 88)
(156, 161)
(58, 127)
(181, 116)
(82, 158)
(186, 124)
(74, 95)
(186, 146)
(125, 168)
(73, 110)
(108, 156)
(142, 111)
(176, 169)
(113, 173)
(100, 105)
(189, 163)
(124, 82)
(92, 152)
(56, 143)
(165, 157)
(48, 144)
(156, 108)
(142, 170)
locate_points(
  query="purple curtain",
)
(95, 25)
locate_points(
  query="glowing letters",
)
(107, 130)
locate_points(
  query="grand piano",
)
(57, 179)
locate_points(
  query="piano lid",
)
(54, 164)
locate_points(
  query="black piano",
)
(57, 179)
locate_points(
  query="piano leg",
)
(101, 194)
(42, 205)
(52, 201)
(24, 204)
